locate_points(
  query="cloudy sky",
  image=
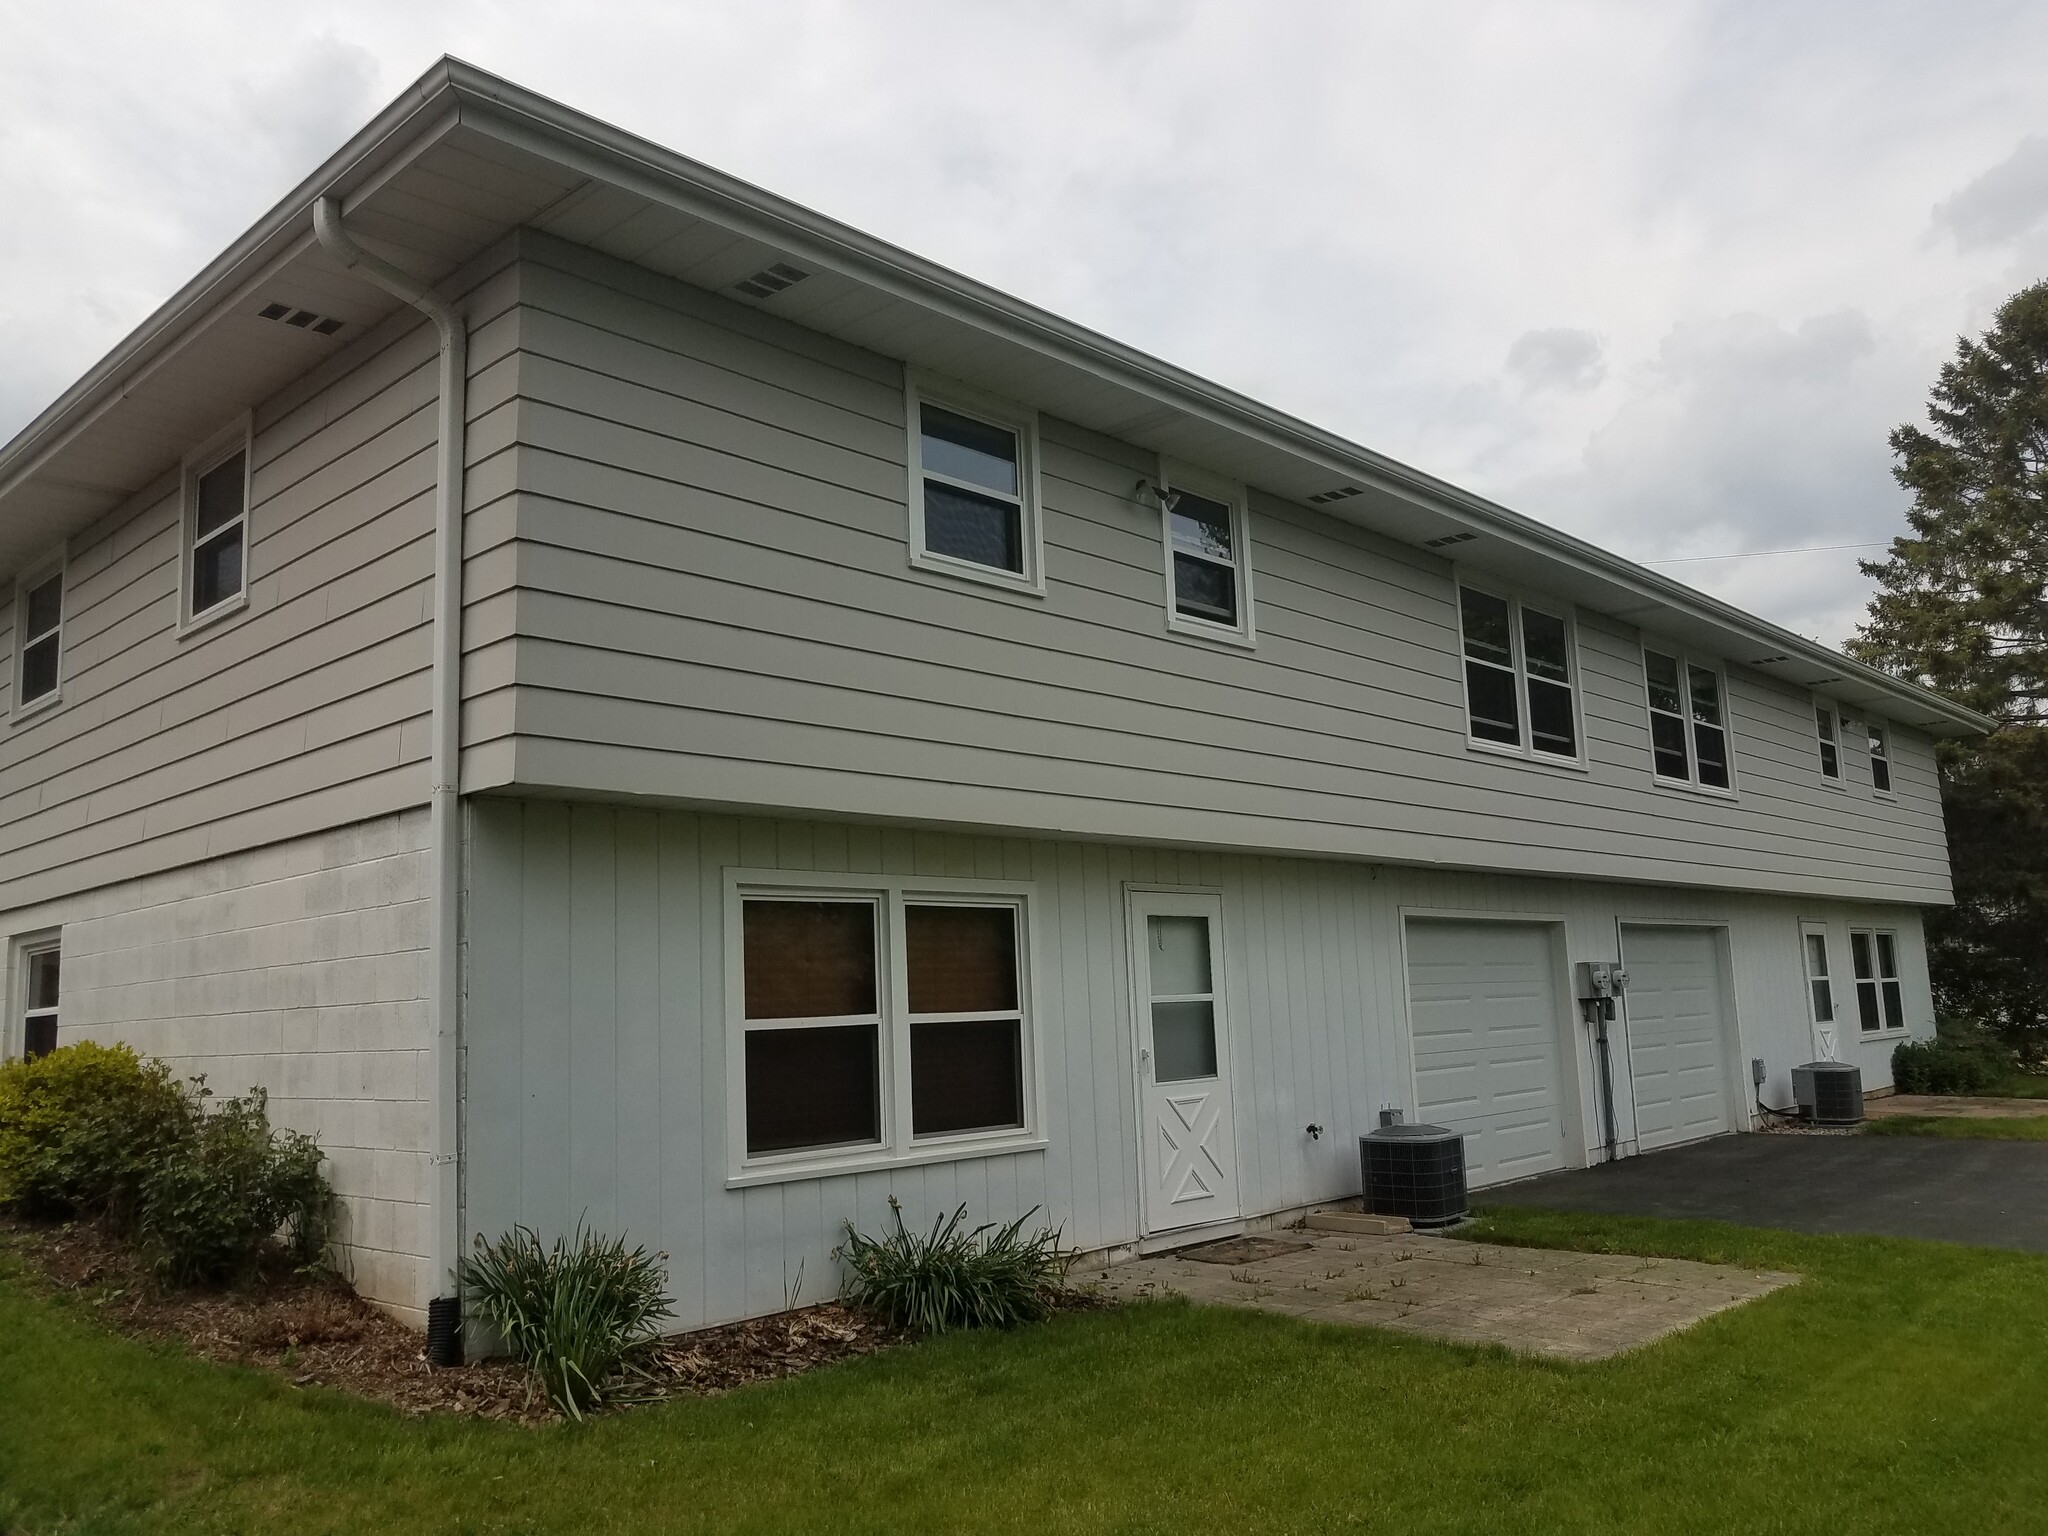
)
(1663, 275)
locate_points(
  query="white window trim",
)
(1175, 476)
(1691, 784)
(57, 565)
(920, 389)
(1806, 930)
(1889, 756)
(1878, 980)
(1840, 778)
(897, 1147)
(14, 1039)
(237, 437)
(1526, 750)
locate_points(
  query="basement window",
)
(1688, 721)
(1521, 676)
(39, 969)
(1880, 997)
(882, 1025)
(973, 490)
(39, 626)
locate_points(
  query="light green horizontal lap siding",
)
(596, 1029)
(307, 710)
(711, 592)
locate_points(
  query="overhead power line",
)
(1753, 554)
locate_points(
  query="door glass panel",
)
(1180, 956)
(1183, 1041)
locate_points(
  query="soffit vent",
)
(1342, 493)
(1449, 538)
(1767, 661)
(769, 281)
(300, 319)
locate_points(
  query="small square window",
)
(972, 493)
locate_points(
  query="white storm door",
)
(1677, 1054)
(1189, 1151)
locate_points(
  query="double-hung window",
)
(39, 967)
(1880, 1000)
(1828, 735)
(1521, 681)
(974, 490)
(1688, 721)
(1880, 758)
(216, 543)
(39, 627)
(878, 1022)
(1207, 582)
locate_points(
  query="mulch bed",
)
(317, 1332)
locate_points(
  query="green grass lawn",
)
(1956, 1128)
(1901, 1387)
(2020, 1085)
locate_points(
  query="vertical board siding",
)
(714, 604)
(596, 1028)
(308, 708)
(298, 968)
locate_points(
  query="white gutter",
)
(444, 853)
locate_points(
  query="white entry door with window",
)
(1677, 1034)
(1189, 1151)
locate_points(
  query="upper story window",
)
(1828, 733)
(39, 628)
(1207, 582)
(1880, 998)
(1521, 681)
(878, 1024)
(216, 541)
(1688, 721)
(973, 490)
(1880, 758)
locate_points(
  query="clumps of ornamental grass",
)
(576, 1315)
(934, 1282)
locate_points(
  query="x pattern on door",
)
(1189, 1156)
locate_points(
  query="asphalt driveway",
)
(1990, 1193)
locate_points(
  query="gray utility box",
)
(1416, 1171)
(1828, 1092)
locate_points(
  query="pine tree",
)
(1963, 608)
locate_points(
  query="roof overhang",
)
(463, 159)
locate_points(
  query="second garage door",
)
(1677, 1039)
(1482, 1001)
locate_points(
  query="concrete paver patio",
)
(1569, 1306)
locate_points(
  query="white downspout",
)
(444, 856)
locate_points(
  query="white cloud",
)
(1362, 214)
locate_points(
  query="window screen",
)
(1205, 558)
(39, 1035)
(219, 529)
(819, 1084)
(1670, 750)
(1830, 750)
(1880, 760)
(973, 489)
(1709, 735)
(1488, 627)
(1546, 653)
(42, 621)
(966, 1033)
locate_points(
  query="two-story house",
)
(617, 698)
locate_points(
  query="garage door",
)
(1482, 998)
(1677, 1042)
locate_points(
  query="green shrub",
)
(1960, 1059)
(991, 1277)
(574, 1315)
(212, 1201)
(81, 1127)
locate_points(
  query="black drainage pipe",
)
(444, 1331)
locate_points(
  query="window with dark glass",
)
(813, 1024)
(1880, 999)
(973, 490)
(966, 1028)
(1830, 749)
(1489, 635)
(1688, 721)
(39, 1016)
(42, 625)
(1880, 760)
(220, 526)
(1202, 536)
(1546, 655)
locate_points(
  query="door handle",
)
(1144, 1054)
